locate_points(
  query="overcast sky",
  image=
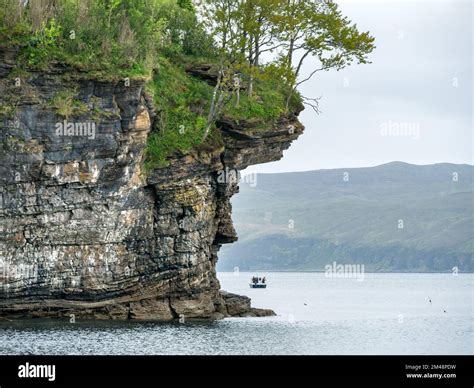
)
(420, 78)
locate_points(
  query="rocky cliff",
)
(84, 230)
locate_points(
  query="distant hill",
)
(393, 217)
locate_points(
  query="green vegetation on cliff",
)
(255, 49)
(116, 38)
(181, 102)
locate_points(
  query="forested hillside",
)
(394, 217)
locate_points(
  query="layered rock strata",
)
(84, 230)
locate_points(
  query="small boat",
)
(257, 282)
(257, 285)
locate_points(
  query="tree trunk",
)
(213, 108)
(250, 91)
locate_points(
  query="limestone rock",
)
(239, 306)
(84, 231)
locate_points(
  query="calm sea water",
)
(383, 314)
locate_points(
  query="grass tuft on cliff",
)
(181, 103)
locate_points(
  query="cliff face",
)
(85, 231)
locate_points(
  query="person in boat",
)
(263, 280)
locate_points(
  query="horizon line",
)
(249, 169)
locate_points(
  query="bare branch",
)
(313, 103)
(311, 75)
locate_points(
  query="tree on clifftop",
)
(293, 30)
(319, 30)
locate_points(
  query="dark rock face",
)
(84, 231)
(239, 306)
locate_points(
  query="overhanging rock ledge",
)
(85, 231)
